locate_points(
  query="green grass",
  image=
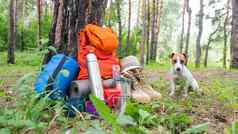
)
(25, 62)
(22, 112)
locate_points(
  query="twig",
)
(80, 114)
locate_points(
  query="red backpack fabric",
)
(106, 58)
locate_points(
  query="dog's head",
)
(179, 60)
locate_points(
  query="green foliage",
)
(132, 109)
(225, 92)
(111, 14)
(5, 131)
(133, 43)
(197, 129)
(28, 59)
(19, 120)
(177, 122)
(142, 116)
(146, 118)
(106, 114)
(52, 49)
(233, 129)
(27, 26)
(27, 32)
(3, 25)
(125, 120)
(29, 113)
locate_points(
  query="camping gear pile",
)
(96, 70)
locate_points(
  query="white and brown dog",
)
(179, 71)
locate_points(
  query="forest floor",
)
(218, 105)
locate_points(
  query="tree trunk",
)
(153, 28)
(68, 19)
(143, 37)
(23, 26)
(148, 32)
(198, 42)
(110, 14)
(189, 11)
(39, 13)
(210, 39)
(234, 35)
(182, 31)
(12, 32)
(206, 52)
(157, 11)
(225, 34)
(138, 12)
(118, 2)
(129, 28)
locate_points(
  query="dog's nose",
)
(178, 69)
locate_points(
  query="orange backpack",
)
(101, 38)
(103, 43)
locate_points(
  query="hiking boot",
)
(151, 92)
(140, 96)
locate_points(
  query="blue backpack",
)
(56, 76)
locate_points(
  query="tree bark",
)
(39, 13)
(189, 11)
(129, 28)
(69, 17)
(23, 26)
(148, 32)
(182, 31)
(225, 34)
(153, 28)
(234, 35)
(157, 12)
(109, 23)
(159, 8)
(118, 2)
(198, 42)
(138, 12)
(143, 37)
(12, 32)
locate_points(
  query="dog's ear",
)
(186, 58)
(185, 55)
(171, 55)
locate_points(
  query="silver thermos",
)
(94, 76)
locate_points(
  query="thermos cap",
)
(91, 57)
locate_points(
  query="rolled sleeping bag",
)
(82, 87)
(79, 88)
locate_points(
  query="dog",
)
(179, 71)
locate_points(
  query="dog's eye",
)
(182, 61)
(174, 61)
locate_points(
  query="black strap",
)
(57, 70)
